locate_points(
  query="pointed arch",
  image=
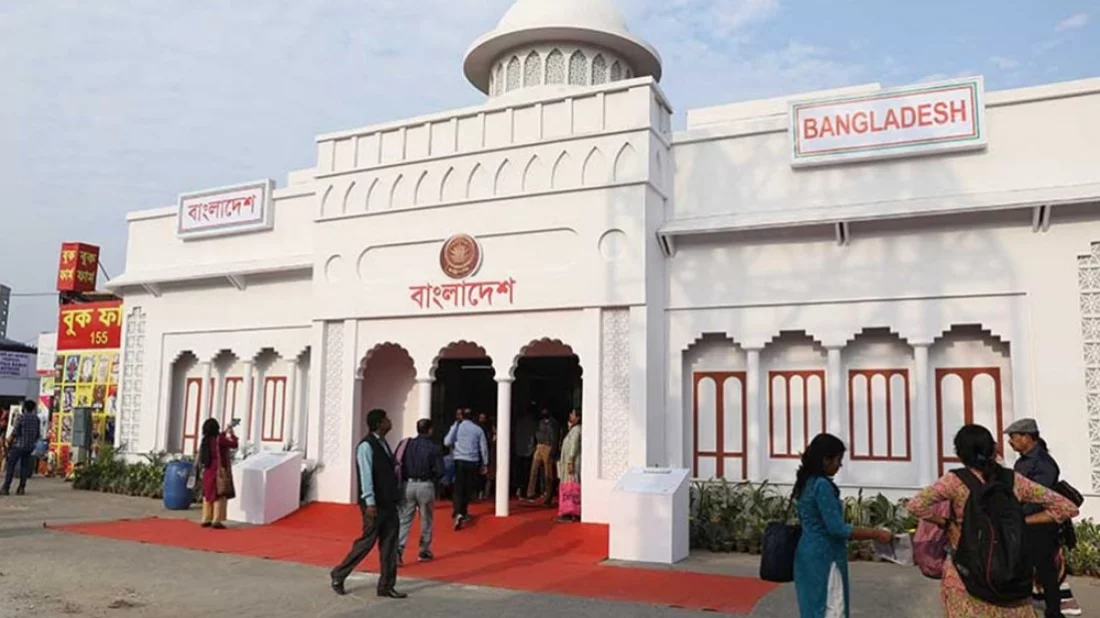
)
(375, 200)
(423, 193)
(505, 182)
(599, 70)
(478, 184)
(616, 71)
(594, 171)
(326, 198)
(513, 74)
(535, 177)
(399, 193)
(555, 67)
(345, 202)
(578, 69)
(450, 189)
(532, 70)
(565, 172)
(626, 164)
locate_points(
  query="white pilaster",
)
(757, 448)
(834, 396)
(244, 401)
(257, 428)
(504, 444)
(924, 447)
(218, 409)
(424, 398)
(291, 405)
(205, 410)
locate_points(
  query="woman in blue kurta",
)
(821, 561)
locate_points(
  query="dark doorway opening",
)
(550, 382)
(462, 383)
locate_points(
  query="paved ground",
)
(46, 573)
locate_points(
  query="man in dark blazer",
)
(378, 500)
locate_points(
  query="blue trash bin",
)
(177, 496)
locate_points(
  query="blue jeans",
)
(21, 457)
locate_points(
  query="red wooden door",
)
(964, 396)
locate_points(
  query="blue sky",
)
(119, 105)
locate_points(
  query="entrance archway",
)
(547, 376)
(389, 382)
(464, 378)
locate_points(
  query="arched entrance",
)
(547, 376)
(389, 382)
(464, 378)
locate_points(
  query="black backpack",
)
(991, 558)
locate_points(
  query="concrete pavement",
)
(47, 573)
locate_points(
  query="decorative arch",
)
(513, 74)
(450, 189)
(422, 193)
(460, 348)
(505, 181)
(555, 67)
(374, 200)
(595, 168)
(325, 198)
(544, 346)
(564, 173)
(616, 71)
(975, 329)
(626, 164)
(387, 379)
(381, 347)
(534, 176)
(532, 70)
(578, 69)
(347, 198)
(599, 70)
(478, 185)
(398, 193)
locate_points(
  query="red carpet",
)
(525, 552)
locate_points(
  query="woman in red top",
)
(214, 455)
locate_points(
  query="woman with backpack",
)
(986, 497)
(821, 560)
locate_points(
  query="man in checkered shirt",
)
(26, 431)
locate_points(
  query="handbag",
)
(778, 548)
(569, 499)
(930, 543)
(41, 447)
(224, 482)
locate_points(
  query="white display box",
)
(649, 520)
(268, 486)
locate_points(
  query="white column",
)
(205, 411)
(504, 444)
(924, 445)
(243, 400)
(291, 405)
(834, 397)
(757, 447)
(258, 410)
(303, 410)
(424, 398)
(218, 409)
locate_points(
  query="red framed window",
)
(796, 410)
(879, 421)
(720, 413)
(966, 395)
(274, 411)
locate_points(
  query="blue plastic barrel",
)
(177, 497)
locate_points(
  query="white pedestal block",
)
(268, 486)
(649, 519)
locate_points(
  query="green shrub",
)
(1084, 560)
(110, 473)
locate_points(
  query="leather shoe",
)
(392, 594)
(338, 587)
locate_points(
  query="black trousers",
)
(25, 461)
(521, 473)
(465, 484)
(383, 528)
(1043, 542)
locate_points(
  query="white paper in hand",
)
(898, 552)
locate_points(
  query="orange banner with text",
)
(90, 326)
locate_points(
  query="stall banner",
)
(86, 374)
(47, 352)
(79, 267)
(16, 365)
(90, 326)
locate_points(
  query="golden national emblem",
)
(460, 256)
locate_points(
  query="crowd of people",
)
(1004, 529)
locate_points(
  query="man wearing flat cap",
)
(1036, 464)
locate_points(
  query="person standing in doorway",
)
(483, 479)
(25, 432)
(546, 442)
(569, 470)
(523, 445)
(422, 471)
(470, 448)
(378, 499)
(1036, 465)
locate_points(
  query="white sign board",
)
(268, 487)
(16, 365)
(652, 481)
(650, 520)
(47, 354)
(228, 210)
(901, 122)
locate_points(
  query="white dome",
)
(531, 22)
(593, 14)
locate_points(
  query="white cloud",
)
(1074, 22)
(1002, 62)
